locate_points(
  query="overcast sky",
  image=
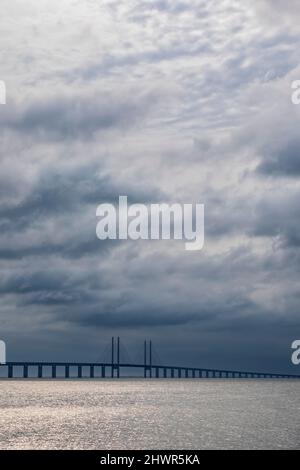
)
(160, 100)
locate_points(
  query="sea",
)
(151, 414)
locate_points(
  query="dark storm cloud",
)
(128, 319)
(66, 199)
(45, 288)
(284, 161)
(73, 246)
(36, 281)
(77, 115)
(63, 189)
(210, 316)
(60, 190)
(278, 217)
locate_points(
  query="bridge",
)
(113, 368)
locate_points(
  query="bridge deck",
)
(179, 371)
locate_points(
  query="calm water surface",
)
(156, 414)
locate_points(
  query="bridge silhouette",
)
(114, 366)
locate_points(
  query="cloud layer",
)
(161, 101)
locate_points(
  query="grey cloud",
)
(279, 217)
(111, 105)
(285, 11)
(77, 115)
(57, 215)
(283, 161)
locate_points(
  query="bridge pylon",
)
(147, 365)
(115, 365)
